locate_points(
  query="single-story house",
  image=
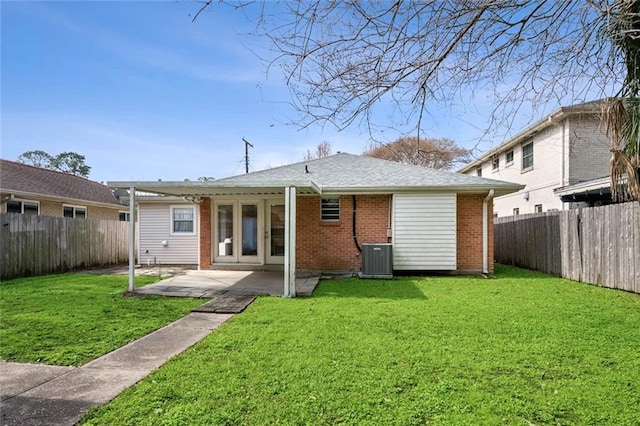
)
(317, 215)
(35, 190)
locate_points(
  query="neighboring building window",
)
(509, 158)
(479, 171)
(23, 207)
(527, 156)
(516, 211)
(330, 209)
(75, 212)
(183, 220)
(495, 215)
(495, 164)
(124, 216)
(538, 208)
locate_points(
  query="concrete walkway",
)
(33, 394)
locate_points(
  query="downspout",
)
(355, 238)
(485, 232)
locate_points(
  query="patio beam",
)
(290, 241)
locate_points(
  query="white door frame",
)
(237, 257)
(269, 259)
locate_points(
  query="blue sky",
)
(146, 94)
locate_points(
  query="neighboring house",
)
(567, 147)
(316, 215)
(34, 190)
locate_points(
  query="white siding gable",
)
(424, 231)
(154, 227)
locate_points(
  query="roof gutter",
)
(459, 189)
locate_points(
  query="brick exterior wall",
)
(469, 233)
(205, 234)
(588, 156)
(50, 208)
(329, 245)
(101, 213)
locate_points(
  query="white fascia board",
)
(181, 188)
(501, 190)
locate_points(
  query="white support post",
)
(132, 238)
(290, 242)
(485, 232)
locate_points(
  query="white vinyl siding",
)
(154, 227)
(424, 232)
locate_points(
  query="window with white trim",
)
(183, 220)
(516, 211)
(330, 210)
(495, 163)
(75, 212)
(23, 207)
(527, 156)
(124, 216)
(538, 208)
(479, 171)
(509, 158)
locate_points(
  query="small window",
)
(330, 210)
(495, 215)
(124, 216)
(75, 212)
(479, 171)
(516, 211)
(183, 220)
(527, 156)
(23, 207)
(495, 164)
(538, 208)
(509, 158)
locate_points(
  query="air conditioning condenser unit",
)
(377, 261)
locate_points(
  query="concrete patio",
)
(212, 283)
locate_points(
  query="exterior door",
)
(249, 249)
(275, 232)
(237, 227)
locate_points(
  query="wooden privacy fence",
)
(597, 245)
(35, 245)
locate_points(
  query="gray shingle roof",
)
(347, 171)
(18, 177)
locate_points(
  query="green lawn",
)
(70, 319)
(521, 349)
